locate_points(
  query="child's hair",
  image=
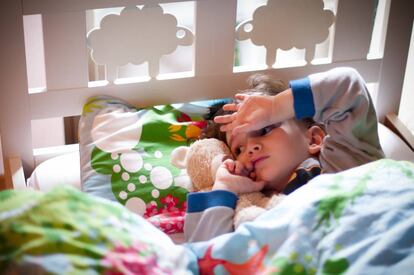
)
(259, 84)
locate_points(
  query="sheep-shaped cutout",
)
(136, 36)
(284, 24)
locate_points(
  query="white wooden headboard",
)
(213, 38)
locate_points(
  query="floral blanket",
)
(66, 231)
(360, 221)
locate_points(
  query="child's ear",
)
(315, 136)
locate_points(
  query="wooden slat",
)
(2, 183)
(396, 48)
(215, 36)
(66, 59)
(15, 173)
(185, 89)
(354, 23)
(52, 6)
(14, 99)
(2, 179)
(395, 124)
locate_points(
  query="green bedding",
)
(66, 231)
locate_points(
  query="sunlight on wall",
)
(406, 112)
(35, 57)
(373, 92)
(376, 49)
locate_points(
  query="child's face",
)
(272, 154)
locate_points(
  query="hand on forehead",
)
(251, 113)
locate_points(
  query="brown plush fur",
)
(199, 160)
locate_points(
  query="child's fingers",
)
(229, 165)
(241, 96)
(257, 186)
(252, 175)
(230, 107)
(224, 119)
(226, 127)
(243, 128)
(239, 169)
(247, 185)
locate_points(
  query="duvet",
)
(360, 221)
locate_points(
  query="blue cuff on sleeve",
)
(302, 98)
(198, 202)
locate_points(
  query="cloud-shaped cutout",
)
(284, 24)
(136, 36)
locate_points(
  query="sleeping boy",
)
(282, 138)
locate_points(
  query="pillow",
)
(125, 154)
(62, 170)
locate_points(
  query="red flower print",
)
(138, 258)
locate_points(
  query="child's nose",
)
(253, 149)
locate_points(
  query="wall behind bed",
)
(213, 73)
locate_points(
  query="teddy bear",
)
(202, 159)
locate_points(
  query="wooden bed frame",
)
(213, 73)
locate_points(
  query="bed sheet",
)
(360, 221)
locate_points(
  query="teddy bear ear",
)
(179, 157)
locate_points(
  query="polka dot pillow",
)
(125, 153)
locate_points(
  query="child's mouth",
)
(258, 160)
(253, 174)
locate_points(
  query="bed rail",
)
(394, 124)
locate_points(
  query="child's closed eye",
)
(264, 131)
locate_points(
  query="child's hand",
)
(216, 162)
(255, 112)
(235, 167)
(236, 183)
